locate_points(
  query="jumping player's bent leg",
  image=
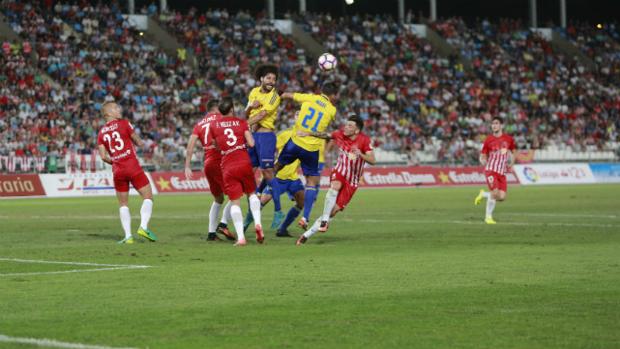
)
(315, 227)
(330, 201)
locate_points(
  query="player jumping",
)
(317, 111)
(115, 147)
(355, 150)
(232, 136)
(262, 111)
(212, 170)
(496, 151)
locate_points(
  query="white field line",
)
(50, 343)
(106, 267)
(499, 223)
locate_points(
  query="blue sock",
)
(261, 186)
(309, 199)
(290, 218)
(275, 195)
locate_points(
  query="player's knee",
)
(219, 199)
(501, 196)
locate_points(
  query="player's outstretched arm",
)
(287, 95)
(369, 157)
(322, 135)
(103, 153)
(189, 151)
(248, 138)
(513, 158)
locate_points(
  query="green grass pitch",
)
(400, 268)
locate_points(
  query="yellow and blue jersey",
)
(290, 171)
(269, 101)
(315, 115)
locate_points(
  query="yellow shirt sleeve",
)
(303, 97)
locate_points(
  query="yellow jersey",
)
(290, 171)
(315, 114)
(269, 101)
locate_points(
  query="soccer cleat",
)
(147, 234)
(324, 226)
(278, 217)
(260, 237)
(223, 229)
(479, 198)
(302, 240)
(489, 220)
(248, 220)
(213, 237)
(240, 243)
(128, 240)
(303, 224)
(283, 234)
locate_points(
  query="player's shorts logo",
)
(530, 174)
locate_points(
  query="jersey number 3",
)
(309, 118)
(118, 142)
(232, 139)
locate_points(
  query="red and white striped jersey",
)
(349, 165)
(498, 149)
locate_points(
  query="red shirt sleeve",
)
(196, 131)
(512, 146)
(485, 147)
(367, 145)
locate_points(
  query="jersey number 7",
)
(309, 118)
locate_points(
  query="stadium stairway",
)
(161, 38)
(443, 48)
(306, 41)
(560, 44)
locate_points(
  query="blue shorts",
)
(264, 152)
(281, 186)
(309, 159)
(321, 166)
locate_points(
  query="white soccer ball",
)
(327, 62)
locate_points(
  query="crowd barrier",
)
(101, 183)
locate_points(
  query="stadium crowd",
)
(73, 58)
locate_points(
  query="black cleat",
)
(223, 229)
(213, 237)
(283, 234)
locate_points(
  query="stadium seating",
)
(417, 105)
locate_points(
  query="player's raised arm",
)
(287, 95)
(103, 153)
(189, 151)
(322, 135)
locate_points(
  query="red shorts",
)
(136, 177)
(238, 180)
(496, 181)
(213, 172)
(346, 191)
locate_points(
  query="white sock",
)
(126, 220)
(486, 194)
(237, 218)
(145, 213)
(226, 214)
(330, 202)
(490, 207)
(213, 214)
(255, 208)
(313, 229)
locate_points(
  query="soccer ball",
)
(327, 62)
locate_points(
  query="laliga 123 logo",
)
(530, 174)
